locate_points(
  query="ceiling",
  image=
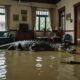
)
(41, 1)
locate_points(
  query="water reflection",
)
(2, 66)
(66, 72)
(51, 61)
(39, 65)
(23, 65)
(38, 59)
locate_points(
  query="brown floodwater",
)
(42, 65)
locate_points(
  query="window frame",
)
(3, 7)
(39, 16)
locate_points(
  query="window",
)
(2, 19)
(42, 21)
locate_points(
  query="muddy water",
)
(44, 65)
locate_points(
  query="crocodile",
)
(33, 45)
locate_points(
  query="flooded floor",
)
(42, 65)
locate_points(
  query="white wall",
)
(69, 8)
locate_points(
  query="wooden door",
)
(77, 24)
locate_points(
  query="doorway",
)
(61, 13)
(61, 28)
(77, 23)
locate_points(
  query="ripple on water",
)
(3, 65)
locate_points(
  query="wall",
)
(16, 8)
(69, 8)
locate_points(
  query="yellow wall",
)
(69, 8)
